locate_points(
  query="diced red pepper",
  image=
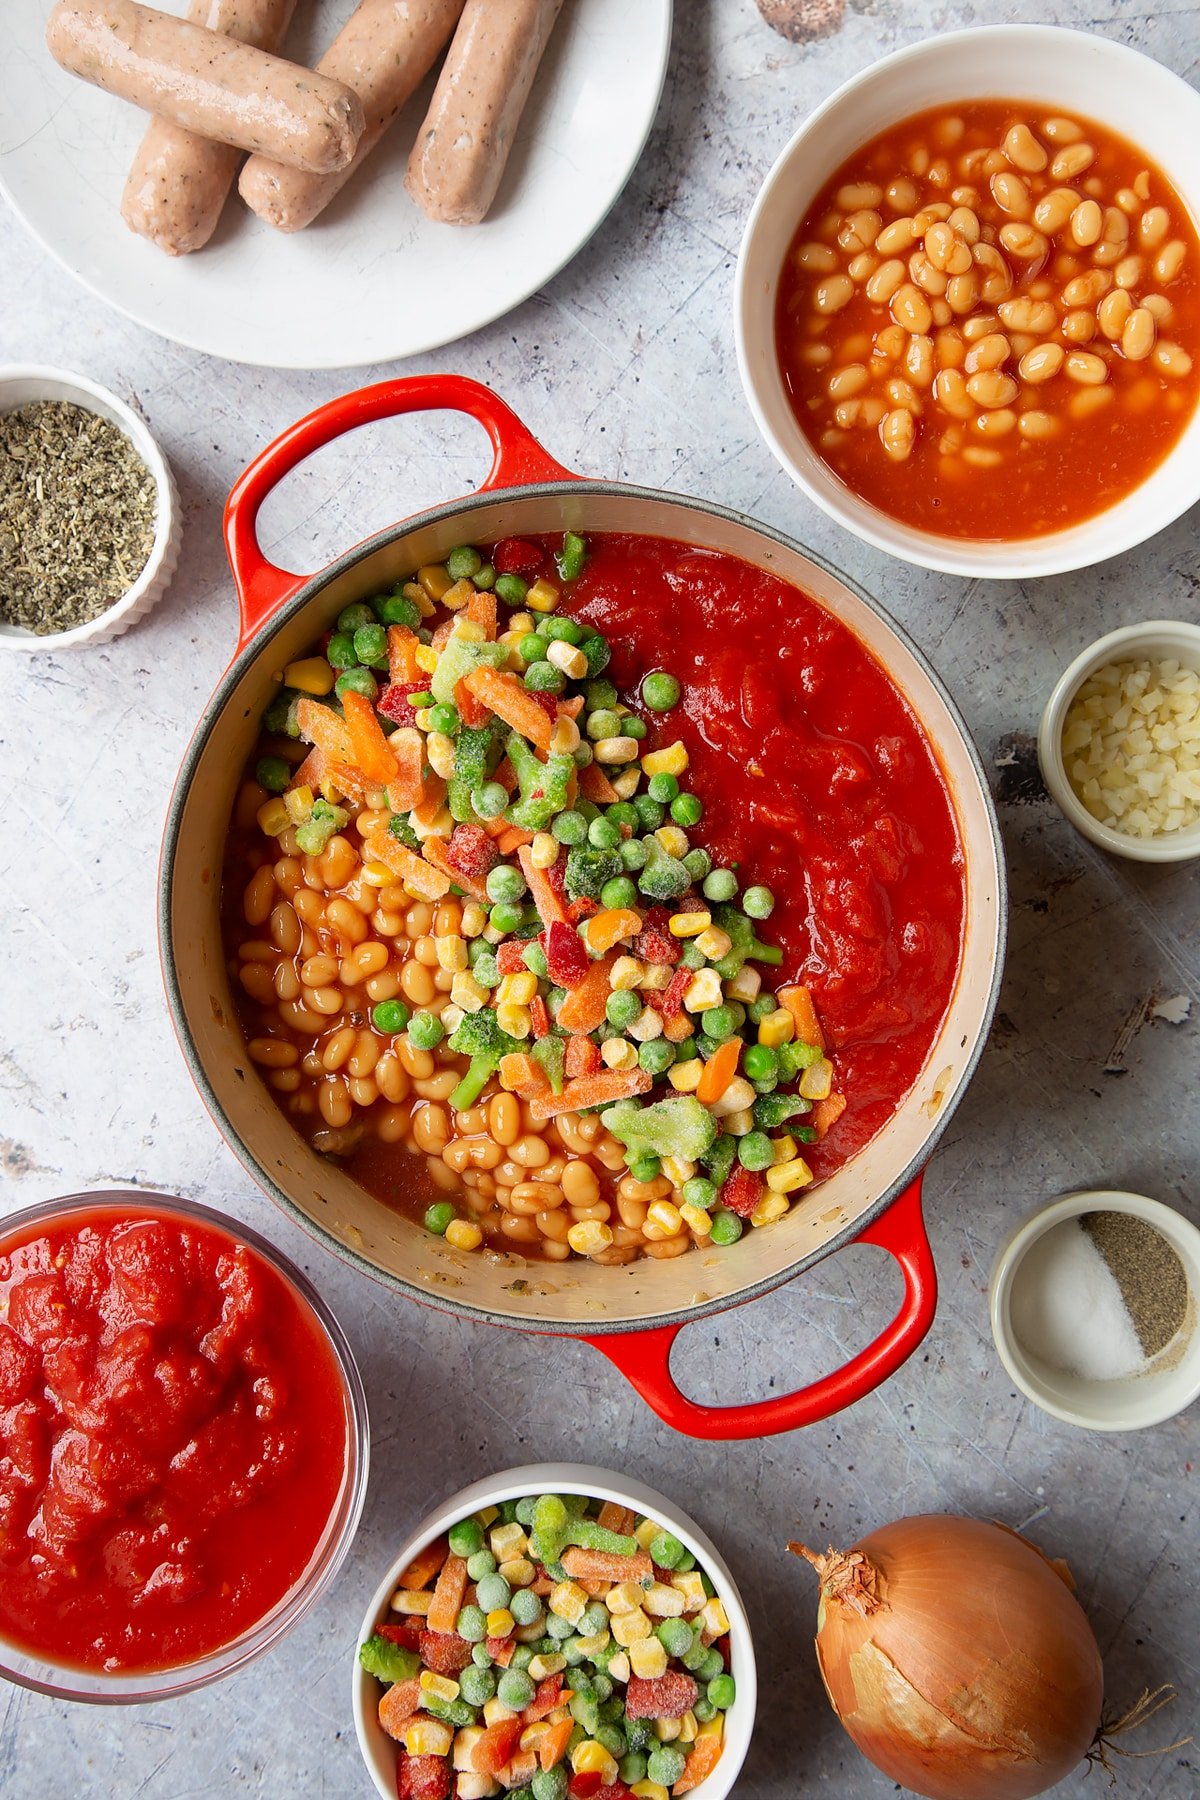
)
(742, 1191)
(539, 1018)
(567, 961)
(583, 908)
(544, 1700)
(500, 1649)
(407, 1636)
(669, 1001)
(394, 704)
(548, 702)
(667, 1696)
(517, 556)
(422, 1778)
(613, 1790)
(586, 1785)
(444, 1652)
(472, 850)
(654, 943)
(491, 1751)
(510, 956)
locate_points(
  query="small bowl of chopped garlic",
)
(1119, 743)
(89, 513)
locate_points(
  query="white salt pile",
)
(1067, 1308)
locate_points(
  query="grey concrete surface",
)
(624, 366)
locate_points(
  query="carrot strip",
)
(481, 607)
(512, 838)
(677, 1029)
(405, 787)
(595, 786)
(552, 1746)
(442, 635)
(582, 1058)
(718, 1071)
(371, 753)
(312, 771)
(545, 897)
(425, 1565)
(522, 1076)
(571, 709)
(416, 874)
(826, 1113)
(604, 929)
(799, 1003)
(583, 1008)
(703, 1758)
(447, 1600)
(504, 695)
(435, 853)
(613, 1517)
(471, 711)
(402, 654)
(505, 774)
(592, 1090)
(606, 1565)
(433, 792)
(320, 725)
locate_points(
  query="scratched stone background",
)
(625, 367)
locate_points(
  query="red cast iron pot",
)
(632, 1313)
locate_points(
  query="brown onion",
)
(957, 1658)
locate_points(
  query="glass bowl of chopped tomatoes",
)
(450, 1700)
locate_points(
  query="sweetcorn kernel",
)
(426, 658)
(691, 1586)
(377, 875)
(715, 1618)
(518, 1571)
(567, 1599)
(777, 1028)
(745, 986)
(434, 579)
(517, 990)
(616, 750)
(737, 1096)
(411, 1603)
(626, 783)
(678, 1169)
(569, 658)
(496, 1713)
(688, 1728)
(624, 1597)
(456, 596)
(627, 972)
(666, 1730)
(590, 1757)
(452, 953)
(589, 1236)
(543, 852)
(784, 1148)
(785, 1178)
(650, 1790)
(674, 841)
(656, 977)
(740, 1123)
(440, 1686)
(464, 1234)
(663, 1601)
(714, 943)
(816, 1083)
(273, 818)
(541, 1668)
(564, 738)
(542, 597)
(685, 1077)
(665, 1216)
(647, 1026)
(412, 590)
(646, 1532)
(299, 803)
(311, 675)
(451, 1017)
(514, 1020)
(474, 919)
(466, 992)
(696, 1219)
(618, 1053)
(772, 1206)
(592, 1646)
(671, 761)
(424, 1736)
(440, 750)
(500, 1622)
(618, 1666)
(704, 992)
(629, 1628)
(467, 631)
(648, 1658)
(507, 1541)
(689, 924)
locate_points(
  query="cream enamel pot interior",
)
(632, 1313)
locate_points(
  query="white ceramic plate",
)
(371, 280)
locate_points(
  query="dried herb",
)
(77, 513)
(1148, 1271)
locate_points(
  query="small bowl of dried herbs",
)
(1094, 1308)
(89, 515)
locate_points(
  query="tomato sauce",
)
(173, 1439)
(818, 781)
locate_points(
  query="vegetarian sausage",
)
(209, 83)
(459, 158)
(179, 182)
(383, 51)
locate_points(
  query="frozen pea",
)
(559, 1628)
(632, 1767)
(471, 1624)
(675, 1636)
(594, 1620)
(481, 1564)
(525, 1607)
(665, 1550)
(493, 1592)
(476, 1685)
(711, 1668)
(612, 1738)
(727, 1227)
(720, 884)
(660, 691)
(550, 1784)
(758, 902)
(466, 1537)
(665, 1765)
(515, 1689)
(703, 1710)
(722, 1691)
(481, 1656)
(522, 1656)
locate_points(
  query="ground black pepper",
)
(1151, 1277)
(77, 515)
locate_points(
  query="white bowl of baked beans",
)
(967, 303)
(1119, 742)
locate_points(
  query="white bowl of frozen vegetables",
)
(551, 1671)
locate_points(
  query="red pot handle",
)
(517, 458)
(644, 1357)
